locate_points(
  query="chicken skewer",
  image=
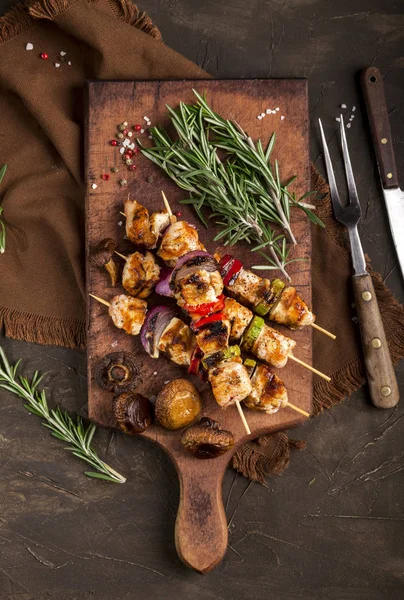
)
(282, 303)
(178, 343)
(197, 285)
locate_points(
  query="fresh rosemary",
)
(2, 225)
(224, 170)
(61, 425)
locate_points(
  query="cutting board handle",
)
(373, 90)
(201, 525)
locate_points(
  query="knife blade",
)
(375, 100)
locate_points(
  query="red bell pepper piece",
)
(206, 320)
(206, 309)
(232, 272)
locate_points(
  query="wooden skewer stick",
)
(242, 417)
(121, 255)
(309, 367)
(297, 409)
(331, 335)
(121, 213)
(173, 218)
(100, 300)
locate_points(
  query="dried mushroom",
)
(101, 256)
(178, 404)
(133, 412)
(117, 372)
(205, 439)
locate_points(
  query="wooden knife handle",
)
(373, 89)
(379, 367)
(201, 526)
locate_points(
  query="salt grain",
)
(259, 117)
(168, 381)
(57, 65)
(62, 53)
(337, 119)
(142, 131)
(120, 224)
(353, 108)
(69, 62)
(146, 118)
(94, 186)
(150, 137)
(351, 118)
(155, 373)
(282, 117)
(262, 115)
(277, 108)
(348, 125)
(29, 46)
(268, 111)
(131, 146)
(115, 343)
(122, 150)
(125, 143)
(130, 134)
(343, 105)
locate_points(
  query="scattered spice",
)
(44, 56)
(121, 127)
(69, 62)
(129, 162)
(282, 117)
(123, 182)
(137, 127)
(119, 135)
(353, 108)
(113, 143)
(150, 179)
(132, 168)
(105, 176)
(348, 125)
(142, 131)
(57, 65)
(62, 53)
(94, 186)
(114, 169)
(343, 105)
(312, 481)
(29, 46)
(122, 150)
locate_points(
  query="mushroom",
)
(133, 412)
(117, 372)
(101, 256)
(178, 404)
(205, 439)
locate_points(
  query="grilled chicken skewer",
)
(196, 284)
(178, 342)
(281, 304)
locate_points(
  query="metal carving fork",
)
(380, 373)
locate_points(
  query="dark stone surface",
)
(332, 525)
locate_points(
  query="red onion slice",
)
(207, 262)
(153, 327)
(163, 286)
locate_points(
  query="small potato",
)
(178, 404)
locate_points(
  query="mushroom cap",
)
(133, 412)
(205, 439)
(117, 372)
(102, 252)
(178, 404)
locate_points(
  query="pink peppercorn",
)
(137, 127)
(113, 143)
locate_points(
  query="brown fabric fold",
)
(41, 117)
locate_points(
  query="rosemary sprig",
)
(61, 425)
(240, 186)
(3, 170)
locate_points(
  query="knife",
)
(373, 89)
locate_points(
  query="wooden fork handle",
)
(373, 89)
(379, 367)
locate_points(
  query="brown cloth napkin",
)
(41, 114)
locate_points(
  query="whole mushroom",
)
(205, 439)
(133, 412)
(178, 404)
(101, 256)
(117, 372)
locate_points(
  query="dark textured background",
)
(329, 527)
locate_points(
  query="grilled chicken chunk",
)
(272, 347)
(140, 274)
(128, 313)
(268, 391)
(213, 337)
(230, 382)
(200, 287)
(138, 225)
(179, 239)
(239, 317)
(291, 310)
(178, 342)
(246, 287)
(159, 221)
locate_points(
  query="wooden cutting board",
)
(201, 528)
